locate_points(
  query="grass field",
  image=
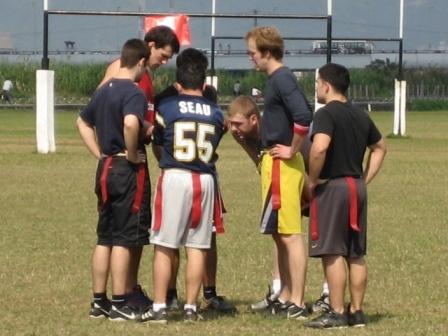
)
(48, 221)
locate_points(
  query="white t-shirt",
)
(7, 85)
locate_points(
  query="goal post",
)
(45, 111)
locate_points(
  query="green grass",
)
(48, 221)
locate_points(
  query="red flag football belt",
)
(141, 176)
(196, 209)
(353, 210)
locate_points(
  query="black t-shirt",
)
(107, 109)
(351, 131)
(284, 105)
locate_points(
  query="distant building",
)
(5, 43)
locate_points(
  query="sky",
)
(424, 21)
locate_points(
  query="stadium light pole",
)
(212, 48)
(45, 60)
(400, 56)
(329, 28)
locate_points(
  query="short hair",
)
(132, 52)
(190, 55)
(336, 75)
(163, 36)
(244, 105)
(267, 39)
(191, 71)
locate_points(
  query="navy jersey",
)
(189, 128)
(284, 105)
(107, 109)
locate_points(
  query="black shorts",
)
(118, 225)
(332, 220)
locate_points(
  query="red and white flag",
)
(178, 23)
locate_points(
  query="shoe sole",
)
(98, 317)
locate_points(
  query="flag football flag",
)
(178, 23)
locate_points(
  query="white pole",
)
(45, 5)
(330, 7)
(213, 18)
(317, 105)
(45, 111)
(403, 108)
(401, 18)
(397, 90)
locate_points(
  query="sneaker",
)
(99, 308)
(151, 316)
(279, 309)
(322, 304)
(295, 312)
(220, 305)
(264, 304)
(139, 299)
(172, 303)
(191, 316)
(125, 313)
(356, 319)
(330, 320)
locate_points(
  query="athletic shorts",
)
(281, 189)
(183, 209)
(338, 219)
(120, 223)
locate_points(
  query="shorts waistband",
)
(121, 154)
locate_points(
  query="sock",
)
(209, 292)
(325, 289)
(118, 300)
(157, 306)
(276, 286)
(99, 296)
(172, 294)
(281, 301)
(190, 306)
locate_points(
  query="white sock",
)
(325, 289)
(190, 306)
(276, 286)
(157, 306)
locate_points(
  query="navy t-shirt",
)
(284, 105)
(351, 130)
(189, 129)
(106, 111)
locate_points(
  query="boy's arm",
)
(374, 160)
(131, 135)
(87, 133)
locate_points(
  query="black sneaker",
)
(151, 316)
(263, 304)
(139, 299)
(99, 308)
(330, 320)
(356, 319)
(191, 316)
(124, 313)
(322, 304)
(278, 308)
(295, 312)
(220, 305)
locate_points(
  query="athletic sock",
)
(325, 289)
(99, 296)
(118, 300)
(190, 306)
(276, 286)
(158, 306)
(209, 292)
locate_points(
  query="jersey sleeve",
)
(322, 123)
(88, 113)
(295, 102)
(135, 104)
(374, 134)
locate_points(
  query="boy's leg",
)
(162, 272)
(335, 271)
(136, 254)
(171, 297)
(100, 268)
(194, 273)
(357, 282)
(120, 267)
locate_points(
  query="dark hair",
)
(336, 75)
(191, 70)
(132, 52)
(163, 36)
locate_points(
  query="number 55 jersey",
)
(189, 129)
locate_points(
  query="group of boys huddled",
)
(319, 168)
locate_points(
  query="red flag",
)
(178, 23)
